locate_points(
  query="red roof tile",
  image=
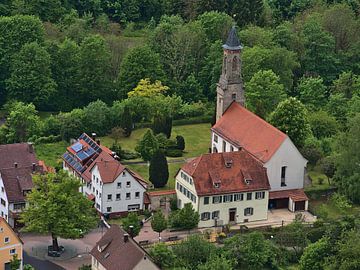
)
(245, 129)
(295, 194)
(209, 169)
(109, 170)
(162, 192)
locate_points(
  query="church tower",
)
(230, 87)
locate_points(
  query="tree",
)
(15, 262)
(126, 121)
(348, 84)
(246, 12)
(51, 10)
(294, 236)
(97, 118)
(327, 165)
(15, 31)
(158, 222)
(158, 170)
(30, 79)
(94, 69)
(314, 255)
(290, 116)
(312, 92)
(322, 124)
(257, 36)
(147, 89)
(138, 63)
(162, 255)
(217, 262)
(162, 124)
(122, 11)
(51, 195)
(215, 24)
(190, 90)
(250, 251)
(186, 218)
(180, 142)
(71, 124)
(131, 220)
(264, 92)
(147, 146)
(22, 122)
(200, 251)
(312, 150)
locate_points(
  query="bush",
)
(48, 139)
(180, 142)
(173, 153)
(193, 120)
(173, 204)
(312, 150)
(321, 180)
(147, 213)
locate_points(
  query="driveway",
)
(76, 251)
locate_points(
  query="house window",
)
(238, 197)
(283, 174)
(109, 197)
(2, 189)
(217, 199)
(97, 180)
(215, 138)
(123, 174)
(93, 189)
(128, 196)
(248, 196)
(6, 240)
(133, 207)
(108, 209)
(137, 195)
(98, 206)
(259, 195)
(215, 214)
(118, 196)
(206, 200)
(118, 185)
(248, 211)
(233, 96)
(205, 216)
(19, 206)
(12, 251)
(231, 148)
(224, 146)
(97, 192)
(228, 198)
(215, 150)
(128, 184)
(3, 202)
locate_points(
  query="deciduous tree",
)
(131, 224)
(158, 222)
(147, 146)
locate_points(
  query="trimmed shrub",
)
(173, 153)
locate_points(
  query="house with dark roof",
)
(224, 188)
(117, 250)
(115, 189)
(237, 128)
(18, 163)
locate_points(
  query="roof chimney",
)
(126, 237)
(93, 136)
(15, 164)
(98, 141)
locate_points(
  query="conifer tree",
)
(159, 170)
(127, 123)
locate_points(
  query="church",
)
(252, 166)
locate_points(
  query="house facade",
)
(114, 189)
(117, 250)
(10, 245)
(224, 188)
(237, 128)
(18, 163)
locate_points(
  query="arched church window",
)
(235, 63)
(224, 64)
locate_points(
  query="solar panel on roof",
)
(82, 155)
(76, 147)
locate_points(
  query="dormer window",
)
(248, 181)
(216, 185)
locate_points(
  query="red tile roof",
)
(244, 129)
(209, 169)
(109, 170)
(117, 254)
(295, 194)
(21, 153)
(162, 192)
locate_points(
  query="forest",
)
(72, 66)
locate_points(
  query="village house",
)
(117, 250)
(10, 245)
(237, 129)
(115, 189)
(18, 163)
(224, 188)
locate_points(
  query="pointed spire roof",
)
(232, 43)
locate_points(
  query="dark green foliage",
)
(314, 255)
(30, 76)
(186, 218)
(15, 262)
(158, 222)
(162, 255)
(147, 146)
(322, 124)
(327, 165)
(126, 121)
(312, 92)
(131, 220)
(158, 170)
(71, 124)
(312, 150)
(97, 118)
(180, 142)
(162, 124)
(174, 153)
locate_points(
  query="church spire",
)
(230, 86)
(232, 43)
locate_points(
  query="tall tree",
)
(216, 25)
(147, 146)
(315, 255)
(186, 218)
(264, 92)
(158, 170)
(162, 255)
(291, 117)
(16, 31)
(94, 69)
(158, 222)
(126, 121)
(52, 194)
(312, 92)
(139, 63)
(97, 118)
(147, 89)
(30, 79)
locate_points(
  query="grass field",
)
(51, 152)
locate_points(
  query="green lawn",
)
(197, 139)
(316, 183)
(51, 152)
